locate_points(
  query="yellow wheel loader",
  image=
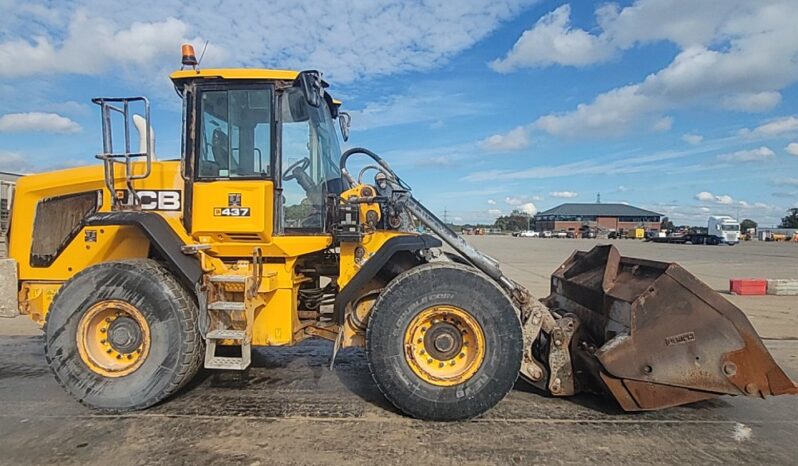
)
(141, 271)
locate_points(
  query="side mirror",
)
(312, 87)
(345, 121)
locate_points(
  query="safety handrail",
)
(126, 158)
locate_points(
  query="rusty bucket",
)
(654, 336)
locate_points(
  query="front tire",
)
(122, 336)
(444, 343)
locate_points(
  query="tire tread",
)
(192, 346)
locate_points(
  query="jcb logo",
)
(153, 199)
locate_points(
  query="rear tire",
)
(123, 336)
(467, 300)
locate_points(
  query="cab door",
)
(309, 164)
(232, 190)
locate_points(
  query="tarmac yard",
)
(291, 409)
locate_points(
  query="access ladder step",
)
(228, 278)
(214, 361)
(227, 306)
(226, 335)
(221, 362)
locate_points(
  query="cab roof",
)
(235, 73)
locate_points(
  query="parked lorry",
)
(720, 230)
(725, 228)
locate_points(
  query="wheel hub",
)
(113, 338)
(443, 341)
(124, 334)
(444, 345)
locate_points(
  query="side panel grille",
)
(57, 221)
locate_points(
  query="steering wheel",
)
(291, 172)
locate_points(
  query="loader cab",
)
(259, 158)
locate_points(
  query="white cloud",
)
(513, 140)
(564, 194)
(622, 189)
(528, 208)
(751, 155)
(470, 193)
(777, 127)
(787, 182)
(13, 162)
(733, 54)
(553, 41)
(610, 114)
(345, 39)
(792, 148)
(663, 124)
(590, 165)
(491, 202)
(436, 161)
(414, 106)
(37, 122)
(92, 45)
(494, 212)
(706, 196)
(693, 139)
(515, 200)
(433, 156)
(752, 102)
(654, 20)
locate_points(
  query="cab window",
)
(235, 133)
(310, 153)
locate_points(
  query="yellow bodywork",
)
(235, 73)
(225, 245)
(276, 318)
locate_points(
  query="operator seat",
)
(219, 149)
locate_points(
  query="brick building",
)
(607, 217)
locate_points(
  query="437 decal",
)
(231, 211)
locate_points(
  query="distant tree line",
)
(515, 221)
(791, 220)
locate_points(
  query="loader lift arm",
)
(608, 325)
(534, 316)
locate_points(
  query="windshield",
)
(310, 154)
(734, 227)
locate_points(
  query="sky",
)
(684, 107)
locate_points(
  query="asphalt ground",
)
(289, 408)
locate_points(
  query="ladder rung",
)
(226, 335)
(219, 362)
(228, 278)
(227, 306)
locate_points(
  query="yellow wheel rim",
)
(444, 345)
(113, 338)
